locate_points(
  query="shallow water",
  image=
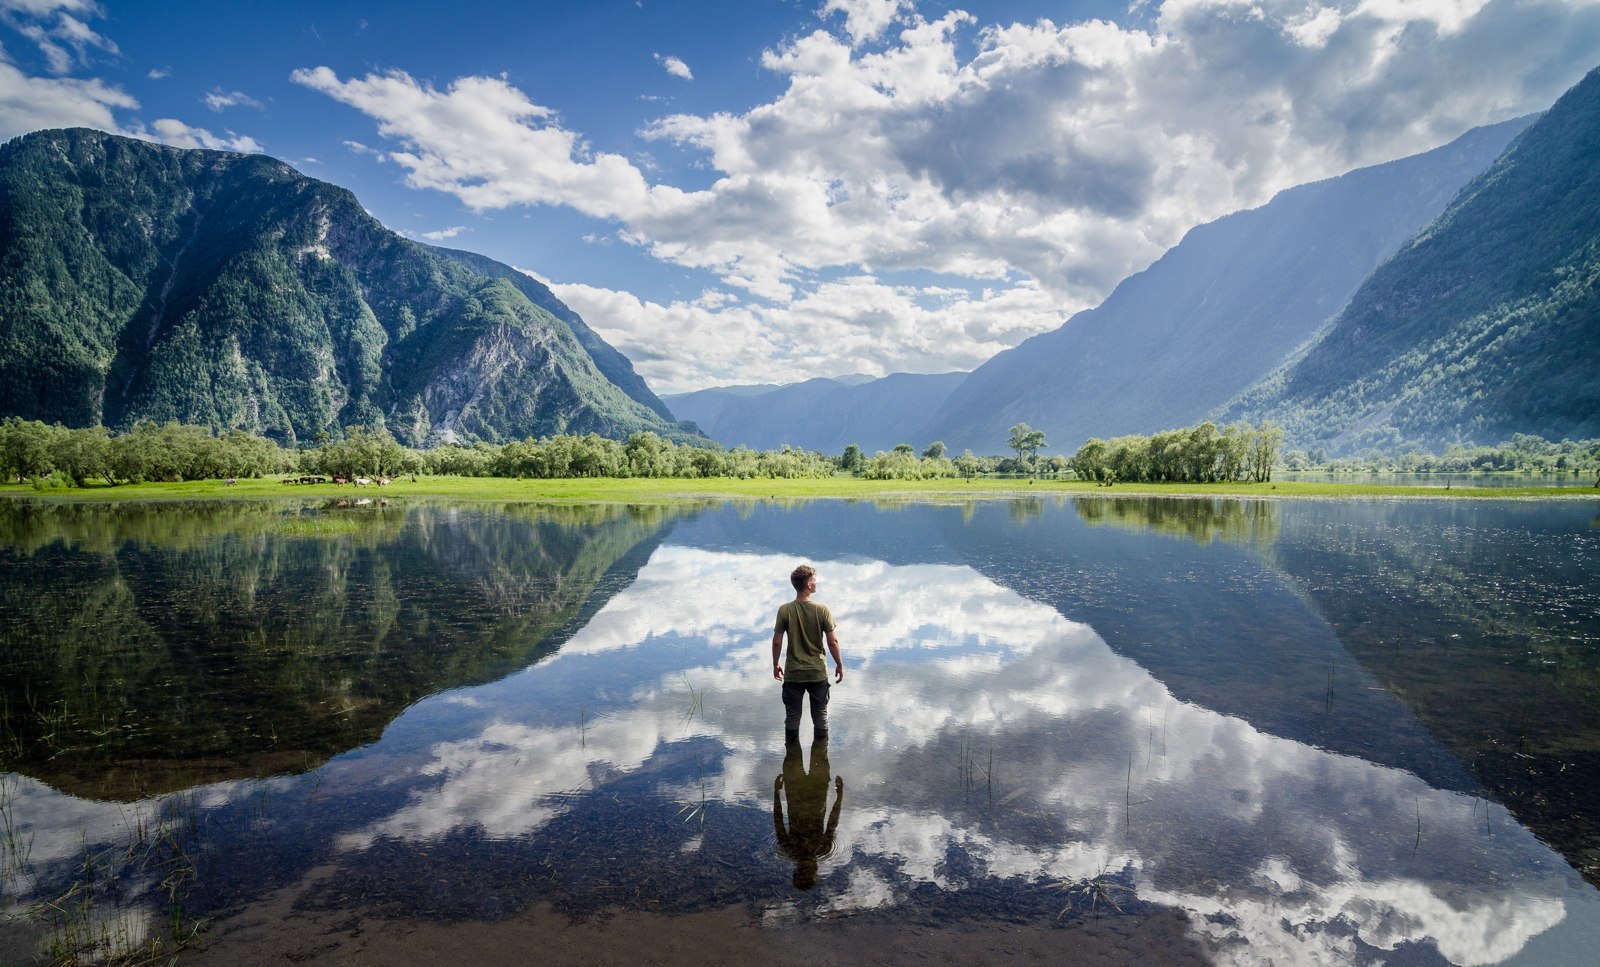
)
(1360, 731)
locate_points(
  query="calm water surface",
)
(1306, 731)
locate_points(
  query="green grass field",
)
(637, 491)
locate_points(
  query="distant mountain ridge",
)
(1487, 324)
(821, 414)
(145, 282)
(1216, 313)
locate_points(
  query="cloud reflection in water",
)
(974, 721)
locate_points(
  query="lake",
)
(1191, 731)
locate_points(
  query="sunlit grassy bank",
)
(656, 490)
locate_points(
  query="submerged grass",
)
(320, 526)
(124, 902)
(636, 490)
(1094, 892)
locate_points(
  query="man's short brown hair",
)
(801, 576)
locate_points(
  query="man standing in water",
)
(809, 625)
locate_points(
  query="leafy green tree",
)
(363, 452)
(1027, 442)
(1263, 453)
(25, 448)
(1089, 463)
(478, 460)
(83, 455)
(851, 460)
(903, 464)
(700, 462)
(648, 455)
(935, 450)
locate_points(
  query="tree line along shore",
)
(53, 457)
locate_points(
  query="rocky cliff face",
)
(612, 364)
(142, 282)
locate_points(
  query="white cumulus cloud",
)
(865, 20)
(180, 135)
(219, 100)
(855, 324)
(1069, 155)
(675, 66)
(65, 40)
(30, 103)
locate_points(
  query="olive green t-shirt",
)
(807, 624)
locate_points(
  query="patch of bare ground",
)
(278, 932)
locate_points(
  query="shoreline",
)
(689, 490)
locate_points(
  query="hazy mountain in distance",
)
(1216, 313)
(1485, 325)
(145, 282)
(819, 414)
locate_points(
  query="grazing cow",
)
(362, 481)
(231, 481)
(341, 480)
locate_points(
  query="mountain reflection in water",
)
(1004, 748)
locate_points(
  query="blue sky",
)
(770, 190)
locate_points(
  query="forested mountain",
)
(144, 282)
(1485, 325)
(820, 414)
(1216, 313)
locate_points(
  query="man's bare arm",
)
(838, 660)
(777, 655)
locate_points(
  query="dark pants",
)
(793, 693)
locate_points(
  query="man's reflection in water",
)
(806, 840)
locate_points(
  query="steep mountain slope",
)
(142, 282)
(1485, 325)
(611, 363)
(1214, 314)
(820, 414)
